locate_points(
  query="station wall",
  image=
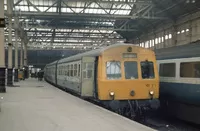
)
(184, 31)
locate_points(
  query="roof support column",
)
(139, 41)
(10, 46)
(25, 54)
(190, 31)
(155, 40)
(25, 61)
(174, 36)
(16, 49)
(21, 73)
(21, 55)
(2, 49)
(164, 41)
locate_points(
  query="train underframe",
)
(133, 109)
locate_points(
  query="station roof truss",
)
(87, 24)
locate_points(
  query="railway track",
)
(162, 122)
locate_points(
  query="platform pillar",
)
(174, 36)
(10, 45)
(25, 61)
(21, 55)
(16, 50)
(2, 49)
(21, 72)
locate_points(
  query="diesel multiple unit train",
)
(179, 70)
(122, 77)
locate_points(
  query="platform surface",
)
(38, 106)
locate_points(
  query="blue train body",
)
(179, 69)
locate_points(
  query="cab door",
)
(87, 87)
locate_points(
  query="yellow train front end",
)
(128, 74)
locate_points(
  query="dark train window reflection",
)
(167, 69)
(131, 70)
(190, 69)
(147, 69)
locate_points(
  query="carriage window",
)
(63, 70)
(167, 70)
(79, 67)
(72, 70)
(87, 70)
(190, 69)
(147, 70)
(84, 66)
(113, 70)
(68, 70)
(59, 70)
(84, 74)
(75, 69)
(131, 70)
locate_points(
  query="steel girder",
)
(39, 18)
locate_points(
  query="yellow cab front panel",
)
(121, 70)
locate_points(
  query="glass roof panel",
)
(42, 8)
(94, 5)
(77, 10)
(75, 4)
(32, 8)
(40, 2)
(69, 10)
(43, 35)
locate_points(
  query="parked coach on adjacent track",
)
(179, 69)
(123, 77)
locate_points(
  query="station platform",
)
(38, 106)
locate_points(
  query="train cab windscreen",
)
(147, 70)
(131, 70)
(113, 70)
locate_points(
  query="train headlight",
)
(112, 93)
(151, 92)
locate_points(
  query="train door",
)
(87, 85)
